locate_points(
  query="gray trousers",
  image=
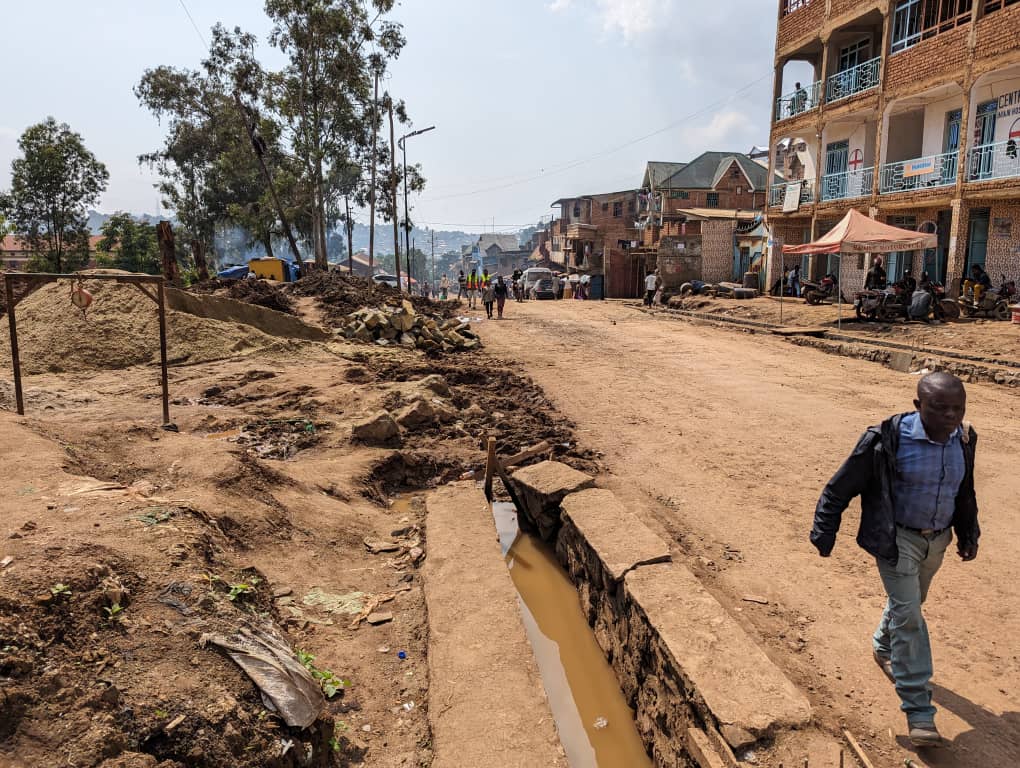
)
(902, 634)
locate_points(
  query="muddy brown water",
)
(595, 725)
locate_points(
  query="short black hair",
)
(940, 381)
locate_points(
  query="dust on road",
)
(723, 440)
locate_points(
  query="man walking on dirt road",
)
(915, 476)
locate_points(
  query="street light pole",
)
(407, 222)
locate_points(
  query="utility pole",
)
(393, 195)
(258, 146)
(371, 191)
(408, 255)
(350, 236)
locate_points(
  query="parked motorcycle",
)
(887, 305)
(698, 288)
(824, 290)
(993, 303)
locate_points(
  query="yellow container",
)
(268, 269)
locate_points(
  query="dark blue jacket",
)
(869, 473)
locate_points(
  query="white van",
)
(533, 280)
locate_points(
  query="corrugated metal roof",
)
(704, 171)
(657, 171)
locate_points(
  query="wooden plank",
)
(860, 753)
(526, 454)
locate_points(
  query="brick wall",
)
(717, 250)
(997, 33)
(854, 7)
(800, 23)
(1003, 255)
(612, 229)
(936, 59)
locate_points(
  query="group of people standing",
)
(492, 291)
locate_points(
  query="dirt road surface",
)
(723, 439)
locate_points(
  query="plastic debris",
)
(601, 723)
(286, 686)
(408, 706)
(401, 655)
(352, 602)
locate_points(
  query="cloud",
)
(630, 19)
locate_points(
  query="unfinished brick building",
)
(912, 116)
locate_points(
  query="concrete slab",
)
(552, 478)
(541, 487)
(487, 706)
(619, 539)
(740, 686)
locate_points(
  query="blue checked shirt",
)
(929, 476)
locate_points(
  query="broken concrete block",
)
(685, 632)
(378, 429)
(541, 488)
(406, 340)
(418, 413)
(611, 532)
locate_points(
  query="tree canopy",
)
(53, 183)
(263, 149)
(130, 245)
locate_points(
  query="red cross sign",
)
(856, 159)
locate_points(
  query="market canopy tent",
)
(857, 233)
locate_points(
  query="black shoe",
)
(925, 735)
(885, 663)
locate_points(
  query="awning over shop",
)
(857, 233)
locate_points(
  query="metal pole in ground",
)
(839, 293)
(15, 357)
(162, 353)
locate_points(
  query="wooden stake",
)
(15, 357)
(490, 467)
(857, 750)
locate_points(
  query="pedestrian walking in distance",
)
(461, 286)
(500, 291)
(651, 283)
(915, 476)
(488, 298)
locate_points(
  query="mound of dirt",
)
(340, 294)
(120, 329)
(259, 292)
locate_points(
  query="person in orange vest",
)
(472, 289)
(485, 278)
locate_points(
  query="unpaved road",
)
(724, 439)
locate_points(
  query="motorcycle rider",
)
(875, 279)
(980, 281)
(922, 300)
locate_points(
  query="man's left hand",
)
(967, 552)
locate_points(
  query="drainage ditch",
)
(596, 727)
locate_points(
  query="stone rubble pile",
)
(404, 326)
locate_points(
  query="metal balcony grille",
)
(857, 79)
(994, 161)
(797, 102)
(920, 173)
(840, 186)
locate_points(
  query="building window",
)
(679, 194)
(605, 206)
(740, 190)
(712, 200)
(917, 20)
(617, 210)
(789, 6)
(577, 210)
(631, 207)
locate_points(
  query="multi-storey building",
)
(910, 113)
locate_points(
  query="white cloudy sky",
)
(533, 99)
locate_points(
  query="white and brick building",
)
(911, 116)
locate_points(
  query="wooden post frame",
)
(35, 280)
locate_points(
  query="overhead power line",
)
(612, 150)
(193, 24)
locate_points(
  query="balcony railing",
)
(994, 161)
(802, 100)
(857, 79)
(777, 192)
(840, 186)
(921, 173)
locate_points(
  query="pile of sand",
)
(120, 329)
